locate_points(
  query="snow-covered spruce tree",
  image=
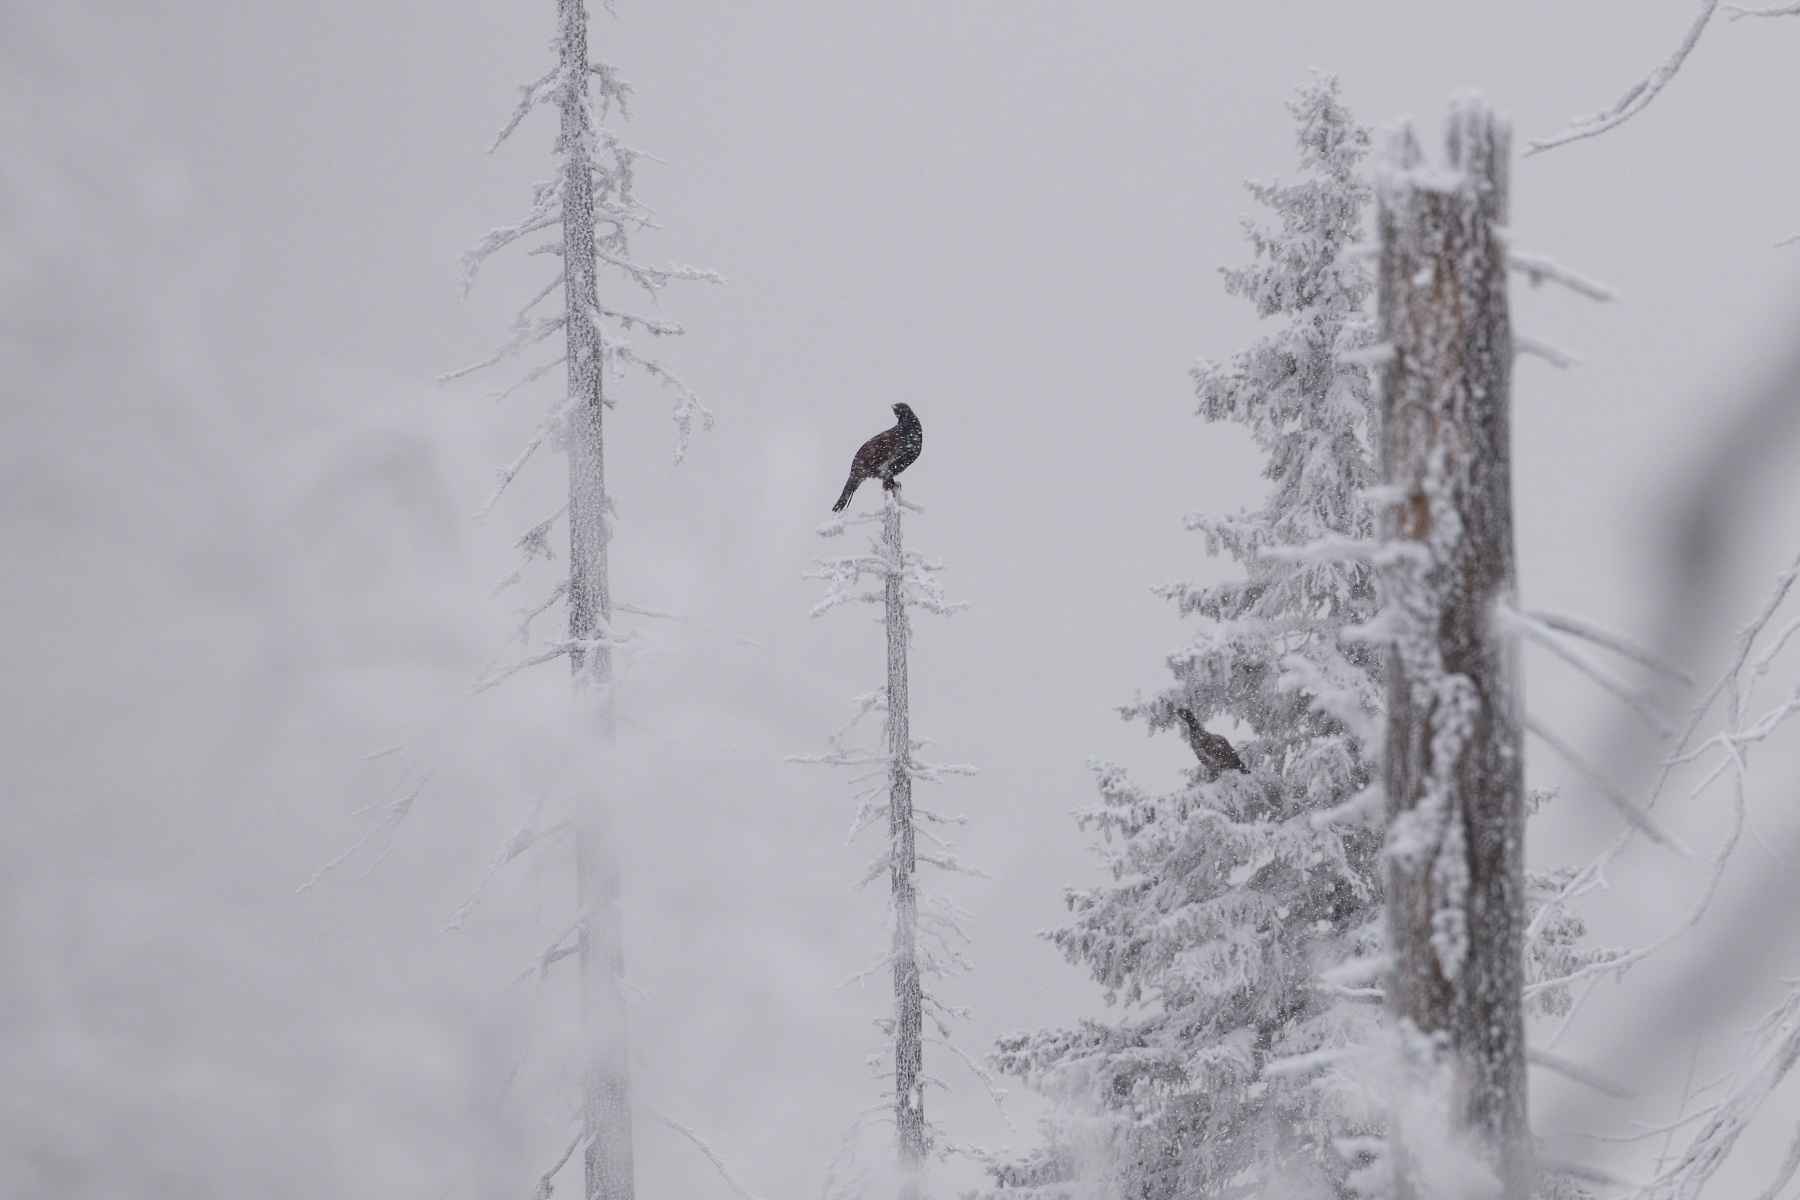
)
(590, 203)
(926, 930)
(1234, 897)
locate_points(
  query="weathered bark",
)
(909, 1002)
(606, 1073)
(1454, 767)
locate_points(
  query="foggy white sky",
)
(1008, 214)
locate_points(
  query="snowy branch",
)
(1638, 95)
(1539, 268)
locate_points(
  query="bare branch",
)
(1638, 95)
(1541, 268)
(1618, 643)
(1580, 1074)
(1634, 815)
(712, 1156)
(1553, 354)
(546, 1186)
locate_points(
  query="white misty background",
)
(239, 559)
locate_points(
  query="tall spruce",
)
(1234, 897)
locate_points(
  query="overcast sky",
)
(1008, 214)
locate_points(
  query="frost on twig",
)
(1638, 95)
(737, 1186)
(1539, 268)
(1724, 727)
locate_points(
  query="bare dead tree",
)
(590, 203)
(903, 865)
(1454, 763)
(926, 930)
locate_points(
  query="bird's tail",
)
(849, 491)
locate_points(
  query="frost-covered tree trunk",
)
(927, 929)
(1454, 767)
(909, 1000)
(606, 1071)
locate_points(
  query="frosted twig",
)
(534, 543)
(1779, 10)
(659, 614)
(532, 94)
(1580, 1074)
(1635, 816)
(1541, 268)
(396, 812)
(558, 950)
(526, 334)
(504, 476)
(546, 1186)
(1638, 95)
(1634, 698)
(522, 840)
(1768, 1063)
(1791, 1163)
(1553, 354)
(1618, 643)
(712, 1156)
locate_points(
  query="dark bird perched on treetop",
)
(1213, 751)
(885, 455)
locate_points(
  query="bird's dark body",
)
(1213, 751)
(885, 455)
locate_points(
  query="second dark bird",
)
(1213, 751)
(885, 455)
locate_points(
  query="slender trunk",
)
(1454, 764)
(909, 1095)
(606, 1075)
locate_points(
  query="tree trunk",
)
(1454, 768)
(606, 1071)
(909, 1094)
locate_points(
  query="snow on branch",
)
(1618, 643)
(1723, 756)
(1635, 816)
(524, 838)
(393, 811)
(1551, 353)
(531, 94)
(1638, 95)
(1779, 10)
(1539, 268)
(712, 1156)
(546, 1185)
(1637, 699)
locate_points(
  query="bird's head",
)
(904, 412)
(1187, 717)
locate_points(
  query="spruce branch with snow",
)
(1236, 932)
(927, 932)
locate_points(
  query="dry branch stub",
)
(1454, 766)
